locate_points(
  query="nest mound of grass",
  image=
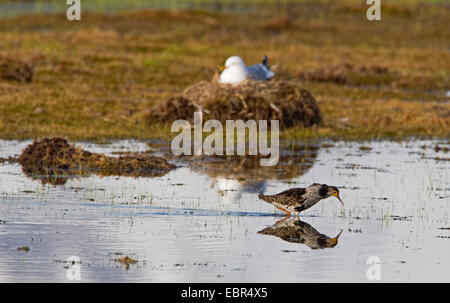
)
(18, 70)
(285, 101)
(52, 159)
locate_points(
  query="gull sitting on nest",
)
(235, 71)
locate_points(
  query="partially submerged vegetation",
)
(54, 160)
(97, 79)
(125, 261)
(23, 248)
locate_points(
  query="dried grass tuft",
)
(14, 69)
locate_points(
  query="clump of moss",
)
(53, 159)
(126, 261)
(285, 101)
(346, 73)
(279, 23)
(13, 69)
(23, 248)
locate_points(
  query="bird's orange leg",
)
(288, 214)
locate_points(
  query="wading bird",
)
(296, 200)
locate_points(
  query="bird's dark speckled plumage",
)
(297, 200)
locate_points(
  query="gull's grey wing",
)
(257, 72)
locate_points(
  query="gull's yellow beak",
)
(222, 68)
(339, 198)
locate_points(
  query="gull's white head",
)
(234, 61)
(234, 71)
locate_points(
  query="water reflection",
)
(235, 175)
(296, 231)
(231, 175)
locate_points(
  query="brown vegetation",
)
(125, 261)
(346, 73)
(14, 69)
(54, 160)
(285, 101)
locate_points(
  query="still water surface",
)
(201, 221)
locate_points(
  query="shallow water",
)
(200, 222)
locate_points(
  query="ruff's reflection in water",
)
(296, 231)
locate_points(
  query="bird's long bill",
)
(339, 198)
(335, 239)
